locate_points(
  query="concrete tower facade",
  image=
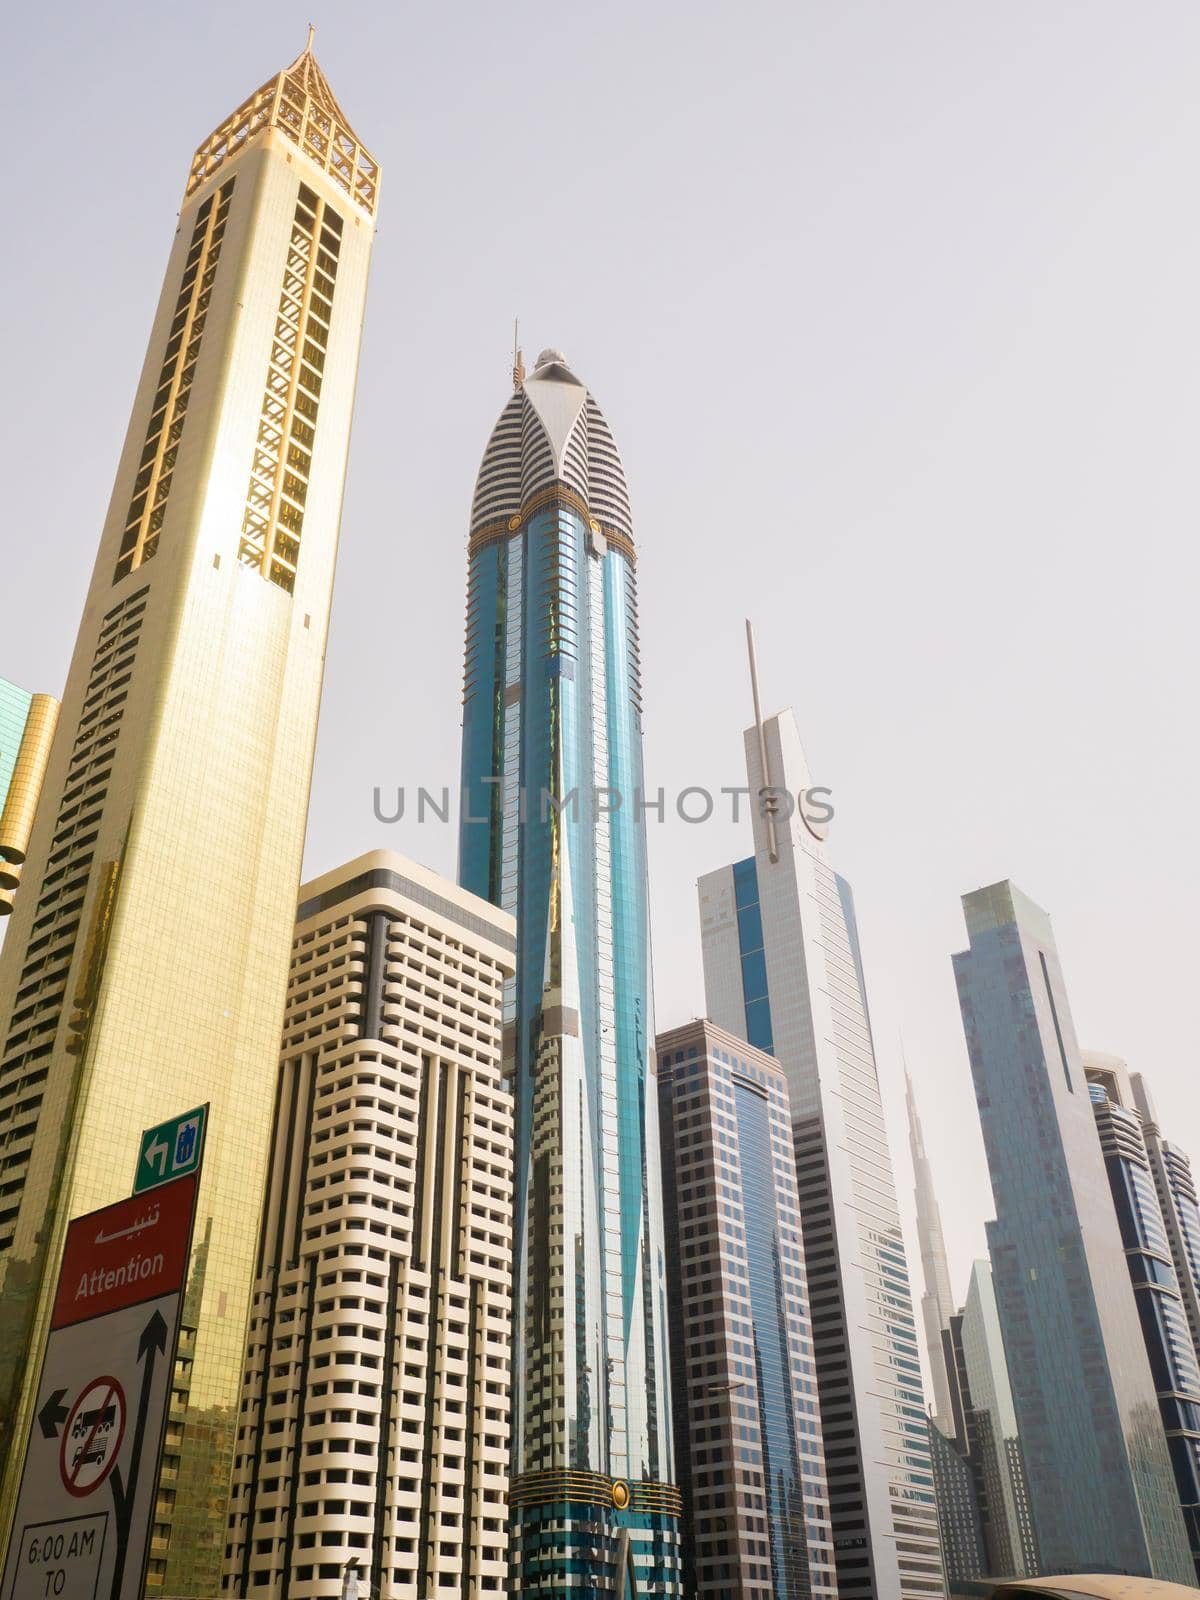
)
(552, 830)
(783, 969)
(27, 725)
(145, 967)
(374, 1420)
(1100, 1480)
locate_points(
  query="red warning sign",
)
(85, 1509)
(132, 1251)
(91, 1440)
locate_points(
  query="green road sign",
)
(171, 1149)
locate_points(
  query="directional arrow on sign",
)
(53, 1414)
(154, 1337)
(153, 1342)
(156, 1155)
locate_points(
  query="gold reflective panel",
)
(188, 721)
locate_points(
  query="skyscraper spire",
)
(937, 1301)
(518, 366)
(765, 798)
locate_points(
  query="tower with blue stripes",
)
(553, 830)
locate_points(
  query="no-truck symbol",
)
(91, 1440)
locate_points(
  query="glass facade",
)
(1100, 1481)
(14, 710)
(777, 1423)
(753, 955)
(783, 970)
(958, 1510)
(1175, 1186)
(1165, 1330)
(551, 732)
(991, 1427)
(748, 1431)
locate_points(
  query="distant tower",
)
(1100, 1478)
(27, 724)
(783, 970)
(990, 1423)
(551, 733)
(937, 1302)
(1176, 1188)
(959, 1521)
(379, 1328)
(146, 963)
(1156, 1287)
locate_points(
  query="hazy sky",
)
(893, 312)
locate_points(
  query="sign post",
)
(86, 1503)
(171, 1150)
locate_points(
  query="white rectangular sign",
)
(86, 1504)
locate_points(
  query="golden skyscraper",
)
(146, 963)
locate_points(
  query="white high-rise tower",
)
(782, 969)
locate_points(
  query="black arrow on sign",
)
(53, 1414)
(152, 1343)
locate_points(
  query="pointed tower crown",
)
(299, 102)
(551, 440)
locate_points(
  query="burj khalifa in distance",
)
(552, 830)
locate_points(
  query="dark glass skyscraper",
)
(748, 1435)
(959, 1520)
(553, 830)
(979, 1369)
(1100, 1480)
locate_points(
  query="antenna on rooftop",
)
(518, 366)
(767, 802)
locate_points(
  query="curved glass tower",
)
(553, 830)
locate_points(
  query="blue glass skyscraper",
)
(1100, 1480)
(553, 830)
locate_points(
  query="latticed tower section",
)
(299, 102)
